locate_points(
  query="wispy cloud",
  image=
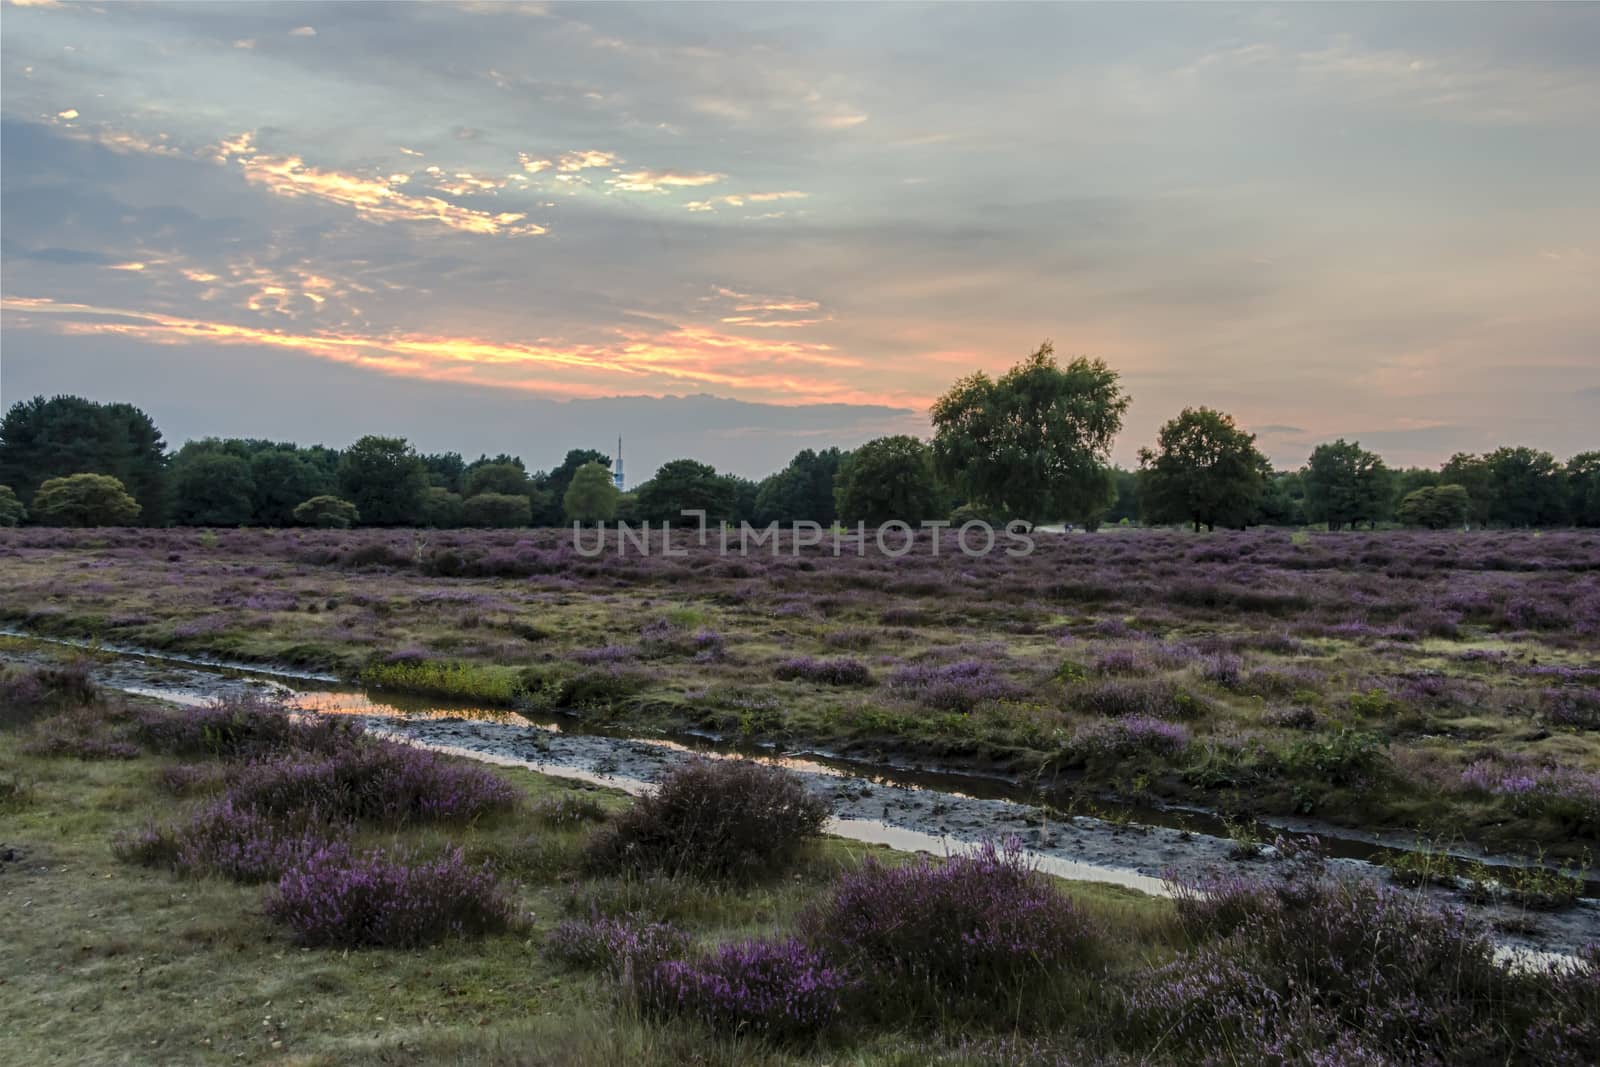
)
(374, 199)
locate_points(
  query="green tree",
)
(385, 479)
(1126, 504)
(1283, 502)
(43, 439)
(1346, 484)
(1036, 443)
(891, 478)
(328, 513)
(1472, 474)
(84, 500)
(802, 491)
(1436, 507)
(446, 470)
(11, 510)
(1526, 488)
(441, 509)
(507, 479)
(591, 496)
(497, 510)
(284, 477)
(1409, 479)
(1583, 488)
(685, 485)
(211, 488)
(1204, 470)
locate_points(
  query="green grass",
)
(110, 963)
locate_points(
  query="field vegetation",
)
(1437, 682)
(233, 884)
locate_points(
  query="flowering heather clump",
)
(853, 638)
(226, 839)
(716, 819)
(1224, 670)
(621, 947)
(78, 735)
(1292, 718)
(781, 991)
(979, 925)
(1303, 958)
(68, 685)
(377, 780)
(1578, 708)
(957, 687)
(1159, 698)
(376, 900)
(839, 671)
(245, 727)
(1127, 736)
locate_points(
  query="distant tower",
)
(616, 468)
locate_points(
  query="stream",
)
(907, 808)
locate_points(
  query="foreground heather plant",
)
(76, 735)
(622, 947)
(958, 687)
(1287, 963)
(979, 927)
(379, 900)
(715, 819)
(245, 727)
(234, 842)
(839, 671)
(777, 990)
(1125, 737)
(380, 781)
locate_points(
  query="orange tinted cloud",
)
(656, 181)
(635, 360)
(375, 199)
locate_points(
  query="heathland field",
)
(232, 883)
(1446, 683)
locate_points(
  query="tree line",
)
(1033, 444)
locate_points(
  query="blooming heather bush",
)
(1114, 697)
(716, 819)
(839, 671)
(78, 735)
(1130, 736)
(376, 780)
(187, 779)
(1223, 669)
(247, 727)
(778, 990)
(378, 900)
(978, 926)
(67, 685)
(1574, 707)
(957, 687)
(624, 947)
(1292, 961)
(236, 842)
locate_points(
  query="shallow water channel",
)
(909, 808)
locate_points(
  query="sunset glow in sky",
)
(524, 228)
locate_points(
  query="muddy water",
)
(908, 808)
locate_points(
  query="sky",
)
(734, 231)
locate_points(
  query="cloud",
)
(573, 162)
(303, 31)
(659, 181)
(373, 199)
(769, 369)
